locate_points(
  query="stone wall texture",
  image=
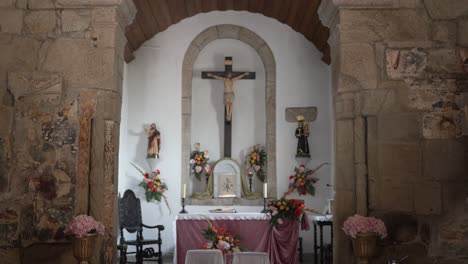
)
(400, 76)
(60, 96)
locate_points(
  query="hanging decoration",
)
(303, 180)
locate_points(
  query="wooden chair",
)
(130, 220)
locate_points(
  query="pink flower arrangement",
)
(358, 224)
(82, 225)
(199, 162)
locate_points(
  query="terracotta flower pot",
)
(83, 247)
(364, 246)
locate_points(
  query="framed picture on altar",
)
(226, 173)
(227, 185)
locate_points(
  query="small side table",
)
(322, 221)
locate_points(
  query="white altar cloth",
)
(320, 218)
(222, 216)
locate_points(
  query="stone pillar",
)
(61, 67)
(398, 85)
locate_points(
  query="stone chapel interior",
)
(379, 86)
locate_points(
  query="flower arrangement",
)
(255, 160)
(153, 185)
(284, 209)
(82, 225)
(220, 238)
(358, 224)
(303, 180)
(199, 162)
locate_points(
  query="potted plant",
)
(364, 232)
(84, 230)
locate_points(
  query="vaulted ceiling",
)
(154, 16)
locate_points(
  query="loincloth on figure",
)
(228, 97)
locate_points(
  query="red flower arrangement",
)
(303, 180)
(220, 238)
(153, 185)
(283, 208)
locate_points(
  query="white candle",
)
(184, 192)
(265, 190)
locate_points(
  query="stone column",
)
(61, 67)
(398, 81)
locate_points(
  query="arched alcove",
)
(266, 55)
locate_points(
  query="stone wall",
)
(399, 87)
(61, 67)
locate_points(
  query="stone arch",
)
(249, 37)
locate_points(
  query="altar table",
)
(254, 229)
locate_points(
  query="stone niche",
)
(266, 55)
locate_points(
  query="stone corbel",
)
(328, 9)
(366, 3)
(126, 8)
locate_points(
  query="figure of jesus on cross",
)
(228, 76)
(228, 93)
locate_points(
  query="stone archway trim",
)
(249, 37)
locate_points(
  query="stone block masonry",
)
(398, 66)
(59, 60)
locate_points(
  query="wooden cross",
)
(228, 76)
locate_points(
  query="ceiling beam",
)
(145, 18)
(209, 5)
(161, 12)
(256, 6)
(193, 7)
(241, 5)
(177, 9)
(273, 9)
(224, 5)
(154, 16)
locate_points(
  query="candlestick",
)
(265, 195)
(250, 181)
(183, 211)
(184, 192)
(264, 211)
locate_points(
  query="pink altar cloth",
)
(257, 235)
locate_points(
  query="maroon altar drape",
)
(280, 242)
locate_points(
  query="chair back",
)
(205, 256)
(251, 258)
(130, 212)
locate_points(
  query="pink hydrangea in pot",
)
(82, 225)
(364, 232)
(84, 230)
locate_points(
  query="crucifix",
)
(228, 76)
